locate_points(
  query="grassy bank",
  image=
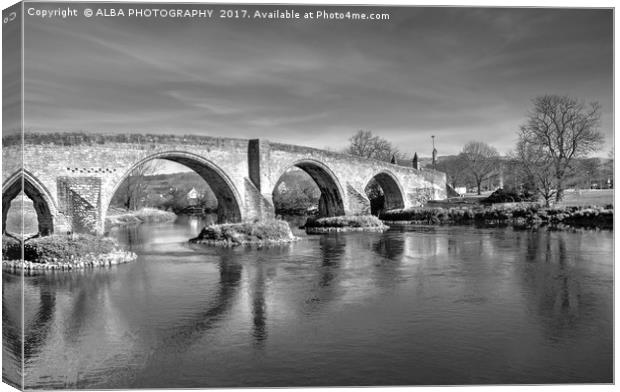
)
(345, 223)
(246, 233)
(63, 252)
(519, 215)
(143, 215)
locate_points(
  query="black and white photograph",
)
(244, 195)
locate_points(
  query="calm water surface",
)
(414, 305)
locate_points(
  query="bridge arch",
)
(331, 202)
(228, 198)
(393, 194)
(37, 192)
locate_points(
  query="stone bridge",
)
(71, 178)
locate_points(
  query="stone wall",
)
(79, 198)
(354, 173)
(81, 177)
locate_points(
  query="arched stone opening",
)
(330, 199)
(37, 193)
(296, 193)
(228, 205)
(384, 193)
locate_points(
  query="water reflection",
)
(492, 305)
(11, 330)
(259, 306)
(552, 280)
(185, 335)
(40, 327)
(332, 249)
(389, 246)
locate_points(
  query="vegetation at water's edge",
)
(509, 196)
(63, 252)
(246, 233)
(520, 215)
(143, 215)
(345, 223)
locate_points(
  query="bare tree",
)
(364, 144)
(562, 128)
(455, 170)
(480, 160)
(587, 171)
(538, 169)
(608, 168)
(132, 192)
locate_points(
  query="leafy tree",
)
(561, 128)
(480, 160)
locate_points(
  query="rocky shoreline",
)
(325, 230)
(340, 224)
(271, 232)
(230, 243)
(144, 215)
(62, 253)
(514, 215)
(72, 263)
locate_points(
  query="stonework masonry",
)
(79, 180)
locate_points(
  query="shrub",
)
(11, 248)
(427, 215)
(246, 233)
(47, 249)
(508, 196)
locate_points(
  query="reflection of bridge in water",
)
(72, 182)
(261, 292)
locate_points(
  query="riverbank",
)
(143, 215)
(60, 252)
(521, 215)
(271, 232)
(344, 224)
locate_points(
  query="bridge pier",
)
(72, 181)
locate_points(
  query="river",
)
(414, 305)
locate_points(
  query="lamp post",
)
(434, 153)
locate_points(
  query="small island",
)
(269, 232)
(344, 223)
(62, 252)
(143, 215)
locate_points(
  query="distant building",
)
(192, 196)
(461, 190)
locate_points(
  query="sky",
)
(460, 74)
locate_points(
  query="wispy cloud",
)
(457, 73)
